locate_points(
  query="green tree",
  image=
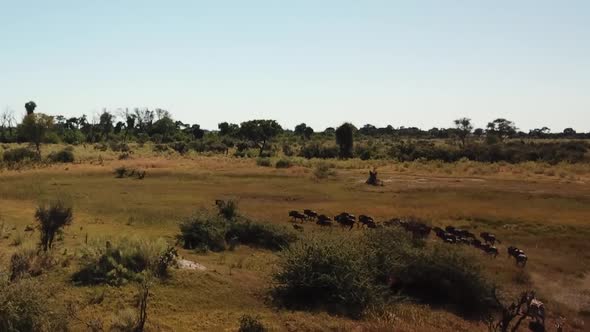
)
(35, 127)
(463, 128)
(165, 127)
(105, 124)
(260, 132)
(300, 129)
(228, 129)
(345, 140)
(569, 132)
(308, 132)
(502, 128)
(195, 131)
(30, 107)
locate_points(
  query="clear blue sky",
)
(323, 62)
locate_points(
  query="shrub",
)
(288, 150)
(73, 137)
(18, 239)
(28, 262)
(19, 155)
(268, 236)
(203, 232)
(283, 163)
(121, 262)
(26, 306)
(142, 138)
(63, 156)
(264, 162)
(124, 320)
(52, 219)
(323, 170)
(318, 150)
(434, 276)
(227, 209)
(251, 324)
(322, 273)
(165, 260)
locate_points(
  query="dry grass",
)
(542, 209)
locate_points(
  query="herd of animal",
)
(450, 234)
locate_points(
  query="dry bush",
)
(323, 170)
(117, 263)
(62, 156)
(52, 218)
(26, 305)
(251, 324)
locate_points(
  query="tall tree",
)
(345, 140)
(35, 127)
(463, 128)
(30, 107)
(300, 129)
(260, 132)
(105, 123)
(308, 132)
(502, 128)
(228, 129)
(195, 131)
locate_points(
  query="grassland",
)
(541, 208)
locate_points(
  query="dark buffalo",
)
(310, 214)
(324, 220)
(489, 238)
(345, 220)
(365, 220)
(295, 215)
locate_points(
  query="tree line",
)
(157, 125)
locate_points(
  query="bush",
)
(321, 273)
(227, 209)
(318, 150)
(122, 262)
(28, 262)
(268, 236)
(52, 218)
(73, 137)
(19, 155)
(435, 276)
(288, 150)
(283, 163)
(27, 306)
(63, 156)
(203, 232)
(264, 162)
(323, 170)
(142, 138)
(251, 324)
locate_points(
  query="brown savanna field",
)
(540, 208)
